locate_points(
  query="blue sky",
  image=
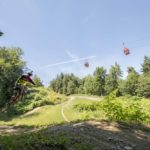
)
(52, 31)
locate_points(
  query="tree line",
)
(103, 83)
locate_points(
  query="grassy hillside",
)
(79, 108)
(42, 116)
(61, 134)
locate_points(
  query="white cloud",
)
(68, 62)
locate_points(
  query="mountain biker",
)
(25, 78)
(21, 81)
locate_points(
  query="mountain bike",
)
(19, 94)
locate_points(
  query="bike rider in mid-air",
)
(21, 81)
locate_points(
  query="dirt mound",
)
(98, 134)
(106, 135)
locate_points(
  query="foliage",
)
(113, 78)
(130, 85)
(89, 85)
(125, 109)
(37, 81)
(46, 140)
(143, 88)
(36, 141)
(71, 88)
(11, 66)
(86, 107)
(38, 96)
(100, 75)
(65, 84)
(146, 65)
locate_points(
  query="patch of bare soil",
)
(10, 129)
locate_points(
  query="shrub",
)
(85, 107)
(126, 109)
(37, 97)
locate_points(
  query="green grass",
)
(128, 110)
(46, 115)
(92, 96)
(73, 115)
(45, 139)
(120, 109)
(51, 115)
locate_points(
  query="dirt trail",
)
(72, 98)
(15, 129)
(89, 98)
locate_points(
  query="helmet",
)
(30, 73)
(1, 33)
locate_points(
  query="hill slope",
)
(47, 134)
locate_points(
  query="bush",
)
(56, 98)
(86, 107)
(125, 109)
(37, 97)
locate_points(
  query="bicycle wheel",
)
(16, 94)
(22, 93)
(13, 99)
